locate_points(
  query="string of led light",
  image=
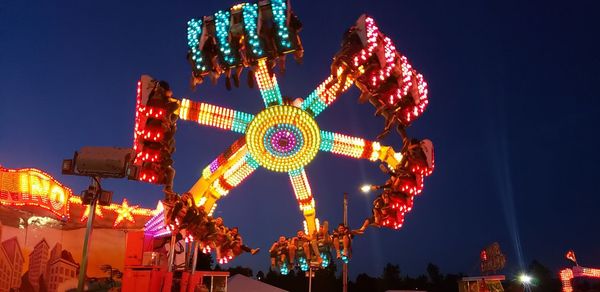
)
(250, 14)
(194, 32)
(222, 28)
(301, 127)
(279, 8)
(215, 116)
(269, 90)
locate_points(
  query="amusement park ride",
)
(568, 274)
(283, 137)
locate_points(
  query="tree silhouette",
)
(391, 276)
(433, 272)
(364, 282)
(392, 279)
(204, 262)
(240, 270)
(325, 279)
(260, 275)
(544, 278)
(436, 279)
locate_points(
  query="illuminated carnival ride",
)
(284, 137)
(568, 274)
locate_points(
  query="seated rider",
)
(217, 234)
(320, 239)
(196, 225)
(322, 235)
(176, 211)
(183, 210)
(291, 251)
(419, 156)
(302, 241)
(342, 234)
(279, 251)
(236, 244)
(380, 211)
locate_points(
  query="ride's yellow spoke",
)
(360, 148)
(215, 116)
(306, 202)
(269, 90)
(326, 93)
(224, 173)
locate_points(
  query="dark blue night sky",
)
(514, 115)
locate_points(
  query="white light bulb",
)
(365, 188)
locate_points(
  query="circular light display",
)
(283, 138)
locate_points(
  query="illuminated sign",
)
(33, 187)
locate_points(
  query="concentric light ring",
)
(283, 138)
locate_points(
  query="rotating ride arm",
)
(360, 148)
(214, 116)
(306, 202)
(269, 90)
(223, 174)
(232, 166)
(326, 93)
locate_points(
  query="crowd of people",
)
(288, 252)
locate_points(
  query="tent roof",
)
(239, 283)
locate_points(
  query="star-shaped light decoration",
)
(86, 213)
(124, 212)
(159, 208)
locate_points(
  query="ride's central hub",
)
(283, 138)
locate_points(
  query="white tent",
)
(241, 283)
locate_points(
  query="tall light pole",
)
(88, 235)
(96, 162)
(345, 265)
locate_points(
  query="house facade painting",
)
(42, 226)
(37, 258)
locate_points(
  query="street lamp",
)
(525, 279)
(96, 163)
(366, 188)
